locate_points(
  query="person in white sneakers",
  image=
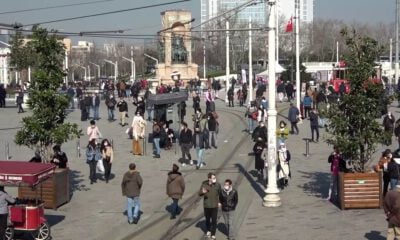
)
(185, 142)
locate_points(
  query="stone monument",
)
(175, 48)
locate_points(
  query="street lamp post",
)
(115, 68)
(98, 68)
(133, 66)
(85, 78)
(155, 59)
(89, 77)
(272, 198)
(227, 62)
(250, 64)
(396, 61)
(297, 22)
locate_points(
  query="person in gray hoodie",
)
(5, 199)
(131, 185)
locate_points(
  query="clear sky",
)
(148, 21)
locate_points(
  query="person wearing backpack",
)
(93, 155)
(110, 102)
(175, 189)
(251, 115)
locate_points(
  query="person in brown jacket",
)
(383, 166)
(131, 184)
(175, 189)
(392, 211)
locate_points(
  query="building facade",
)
(257, 12)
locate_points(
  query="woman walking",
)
(382, 166)
(138, 131)
(92, 156)
(5, 199)
(175, 189)
(283, 166)
(259, 161)
(108, 156)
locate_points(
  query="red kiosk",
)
(26, 214)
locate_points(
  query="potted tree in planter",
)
(353, 125)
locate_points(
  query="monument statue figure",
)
(179, 52)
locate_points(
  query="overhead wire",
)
(53, 7)
(106, 13)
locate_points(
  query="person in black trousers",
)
(92, 156)
(314, 124)
(185, 141)
(210, 190)
(5, 199)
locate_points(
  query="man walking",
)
(314, 124)
(185, 141)
(293, 117)
(392, 211)
(156, 140)
(131, 185)
(123, 109)
(175, 189)
(210, 190)
(228, 199)
(96, 106)
(110, 102)
(71, 95)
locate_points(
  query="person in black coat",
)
(394, 171)
(228, 198)
(231, 95)
(314, 124)
(182, 111)
(258, 149)
(260, 131)
(212, 130)
(196, 102)
(388, 125)
(3, 94)
(140, 106)
(289, 91)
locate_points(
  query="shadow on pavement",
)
(202, 225)
(254, 184)
(374, 235)
(76, 179)
(54, 219)
(317, 184)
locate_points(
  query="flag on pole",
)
(289, 25)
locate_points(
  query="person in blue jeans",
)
(96, 106)
(394, 171)
(199, 143)
(131, 185)
(156, 140)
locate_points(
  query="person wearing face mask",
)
(199, 144)
(210, 190)
(388, 124)
(185, 142)
(228, 199)
(108, 157)
(382, 166)
(283, 166)
(196, 102)
(259, 162)
(282, 132)
(260, 131)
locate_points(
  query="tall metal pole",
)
(297, 32)
(133, 70)
(66, 67)
(337, 53)
(29, 75)
(396, 73)
(116, 70)
(227, 62)
(88, 67)
(250, 64)
(277, 32)
(204, 58)
(391, 62)
(272, 198)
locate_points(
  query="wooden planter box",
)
(54, 191)
(360, 190)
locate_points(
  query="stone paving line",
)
(304, 213)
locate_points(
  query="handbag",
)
(100, 166)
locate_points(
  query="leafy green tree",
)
(46, 126)
(353, 125)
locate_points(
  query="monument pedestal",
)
(186, 71)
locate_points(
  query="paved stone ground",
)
(97, 211)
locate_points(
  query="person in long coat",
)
(283, 166)
(175, 189)
(388, 124)
(259, 161)
(138, 131)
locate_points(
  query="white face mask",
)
(227, 188)
(214, 180)
(105, 144)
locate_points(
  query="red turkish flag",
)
(289, 26)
